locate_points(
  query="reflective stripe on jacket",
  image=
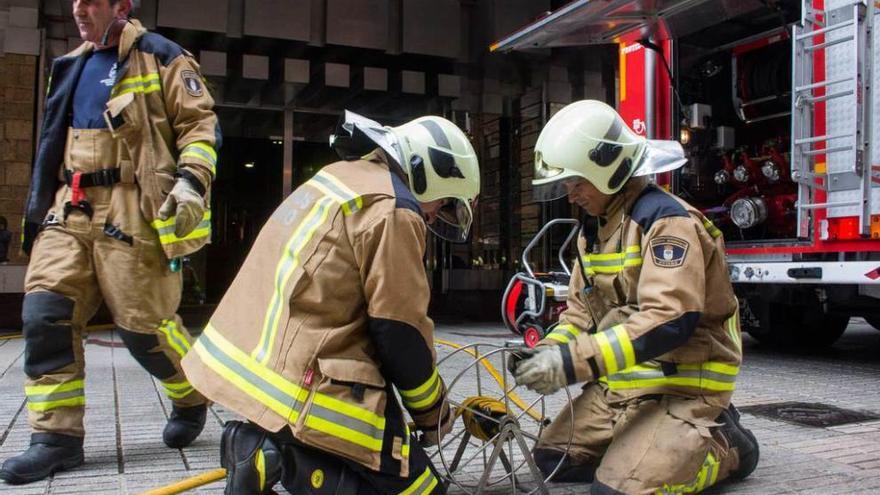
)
(159, 108)
(651, 308)
(326, 315)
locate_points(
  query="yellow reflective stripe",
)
(325, 182)
(260, 465)
(327, 414)
(733, 330)
(320, 424)
(147, 83)
(42, 398)
(709, 376)
(177, 390)
(284, 270)
(202, 151)
(714, 231)
(165, 229)
(424, 395)
(616, 349)
(45, 406)
(54, 389)
(423, 484)
(612, 262)
(563, 333)
(255, 380)
(706, 477)
(175, 339)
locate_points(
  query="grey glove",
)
(542, 372)
(518, 356)
(186, 205)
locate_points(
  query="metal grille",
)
(810, 414)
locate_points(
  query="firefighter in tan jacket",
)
(651, 323)
(327, 317)
(125, 161)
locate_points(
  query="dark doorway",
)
(246, 191)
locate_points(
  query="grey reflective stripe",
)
(706, 375)
(288, 259)
(436, 133)
(201, 152)
(351, 202)
(56, 396)
(611, 335)
(424, 395)
(346, 421)
(653, 375)
(170, 332)
(636, 375)
(618, 262)
(565, 329)
(249, 377)
(633, 256)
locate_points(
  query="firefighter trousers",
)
(80, 258)
(653, 444)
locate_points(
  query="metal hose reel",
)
(498, 424)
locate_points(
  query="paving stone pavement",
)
(126, 412)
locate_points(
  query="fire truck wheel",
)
(531, 337)
(874, 321)
(799, 326)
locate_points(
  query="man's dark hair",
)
(135, 5)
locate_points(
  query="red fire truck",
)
(774, 103)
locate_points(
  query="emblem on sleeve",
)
(192, 82)
(669, 252)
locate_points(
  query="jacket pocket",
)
(345, 411)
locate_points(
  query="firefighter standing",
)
(126, 158)
(327, 317)
(651, 324)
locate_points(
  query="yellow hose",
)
(189, 483)
(494, 372)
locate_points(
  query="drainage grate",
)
(809, 414)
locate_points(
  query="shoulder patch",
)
(653, 205)
(403, 196)
(192, 82)
(668, 251)
(160, 46)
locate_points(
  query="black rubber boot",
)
(568, 472)
(48, 453)
(741, 439)
(252, 460)
(184, 425)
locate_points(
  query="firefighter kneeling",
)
(328, 315)
(651, 326)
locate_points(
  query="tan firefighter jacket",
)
(159, 108)
(651, 308)
(326, 314)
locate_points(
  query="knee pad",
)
(568, 472)
(311, 472)
(140, 345)
(47, 332)
(252, 460)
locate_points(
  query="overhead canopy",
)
(590, 22)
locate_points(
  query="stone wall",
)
(17, 111)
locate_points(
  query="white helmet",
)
(585, 139)
(441, 164)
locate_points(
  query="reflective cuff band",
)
(425, 395)
(563, 333)
(203, 152)
(165, 229)
(616, 349)
(177, 390)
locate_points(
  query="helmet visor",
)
(453, 220)
(549, 181)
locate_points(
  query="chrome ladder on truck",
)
(838, 162)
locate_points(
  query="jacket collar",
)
(620, 206)
(132, 32)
